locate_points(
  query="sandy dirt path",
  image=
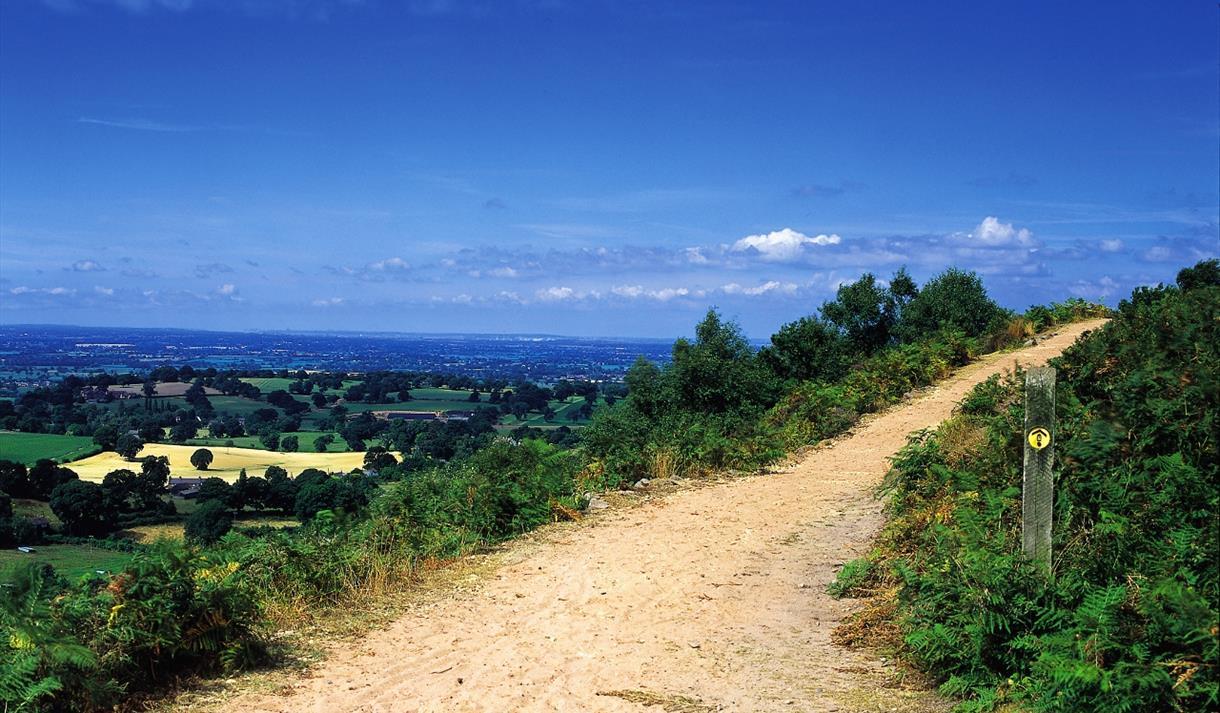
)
(710, 598)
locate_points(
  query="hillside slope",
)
(712, 598)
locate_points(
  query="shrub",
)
(208, 523)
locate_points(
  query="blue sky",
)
(590, 168)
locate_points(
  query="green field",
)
(267, 384)
(34, 508)
(306, 439)
(562, 408)
(71, 561)
(274, 383)
(28, 448)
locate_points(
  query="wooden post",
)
(1037, 488)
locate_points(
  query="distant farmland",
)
(227, 464)
(29, 448)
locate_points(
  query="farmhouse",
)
(185, 487)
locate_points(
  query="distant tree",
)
(378, 458)
(215, 489)
(151, 430)
(314, 497)
(404, 395)
(208, 523)
(45, 476)
(548, 414)
(106, 436)
(474, 396)
(153, 480)
(290, 444)
(322, 442)
(201, 459)
(270, 440)
(183, 431)
(81, 507)
(253, 491)
(281, 490)
(6, 520)
(118, 486)
(14, 479)
(150, 390)
(128, 445)
(319, 399)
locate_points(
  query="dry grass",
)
(227, 463)
(664, 464)
(670, 703)
(874, 627)
(961, 440)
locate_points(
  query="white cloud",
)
(769, 286)
(57, 291)
(331, 302)
(556, 294)
(107, 291)
(86, 266)
(782, 245)
(663, 294)
(391, 264)
(1111, 246)
(695, 256)
(503, 272)
(992, 233)
(1094, 290)
(227, 289)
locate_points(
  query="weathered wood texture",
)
(1037, 500)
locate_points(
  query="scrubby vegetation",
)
(210, 603)
(1128, 618)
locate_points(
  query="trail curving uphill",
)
(710, 598)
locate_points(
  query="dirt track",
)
(711, 598)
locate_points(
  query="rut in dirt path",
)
(708, 599)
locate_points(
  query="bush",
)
(208, 523)
(953, 300)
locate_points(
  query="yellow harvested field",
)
(227, 462)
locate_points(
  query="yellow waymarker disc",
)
(1039, 438)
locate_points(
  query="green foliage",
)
(953, 300)
(865, 312)
(201, 458)
(208, 523)
(1129, 619)
(852, 578)
(128, 445)
(808, 349)
(81, 507)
